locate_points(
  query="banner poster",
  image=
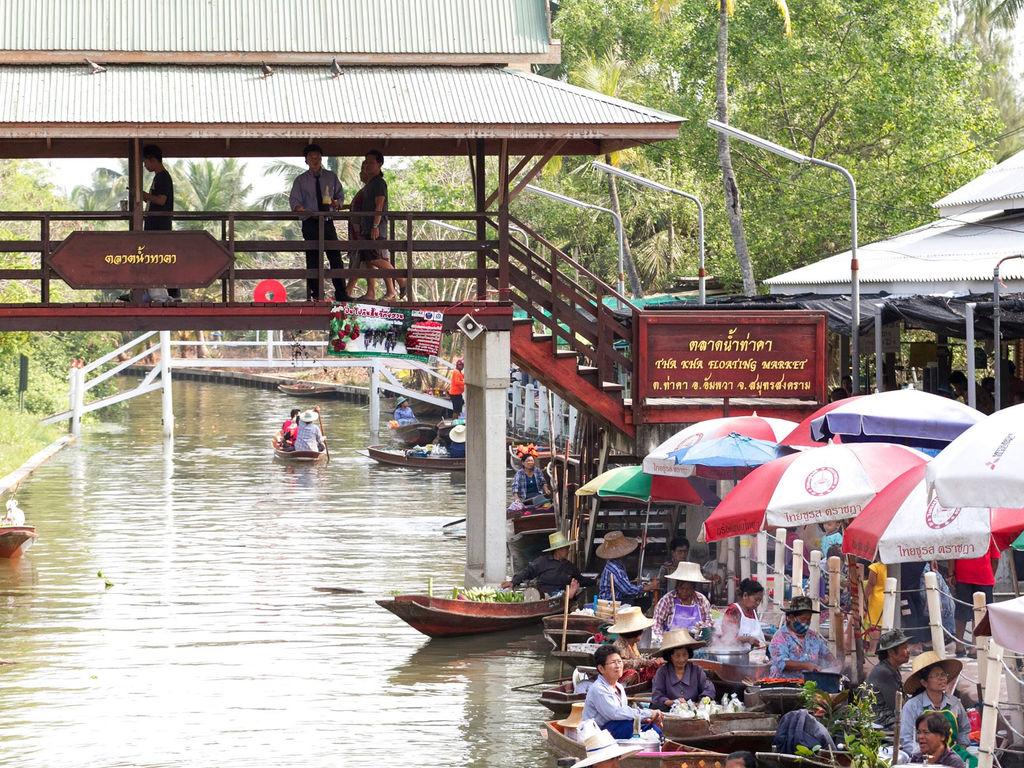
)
(371, 330)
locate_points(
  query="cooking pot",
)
(735, 656)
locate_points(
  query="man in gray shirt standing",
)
(374, 201)
(318, 189)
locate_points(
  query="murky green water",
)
(214, 646)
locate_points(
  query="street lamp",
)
(996, 330)
(618, 226)
(641, 181)
(796, 157)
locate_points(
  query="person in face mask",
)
(796, 647)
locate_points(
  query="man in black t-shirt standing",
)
(159, 198)
(374, 226)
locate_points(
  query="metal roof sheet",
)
(231, 26)
(944, 250)
(465, 97)
(1003, 183)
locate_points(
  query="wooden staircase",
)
(584, 349)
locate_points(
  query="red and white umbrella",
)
(831, 483)
(660, 462)
(902, 525)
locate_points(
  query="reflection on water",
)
(217, 643)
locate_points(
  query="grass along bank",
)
(21, 435)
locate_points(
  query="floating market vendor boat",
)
(560, 697)
(298, 457)
(671, 755)
(442, 617)
(579, 628)
(308, 389)
(698, 731)
(16, 540)
(417, 433)
(400, 458)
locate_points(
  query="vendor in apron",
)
(741, 624)
(684, 607)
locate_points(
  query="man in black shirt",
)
(552, 571)
(893, 652)
(374, 201)
(159, 198)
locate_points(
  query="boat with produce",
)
(579, 628)
(16, 540)
(689, 727)
(297, 457)
(473, 612)
(402, 458)
(576, 654)
(671, 754)
(308, 389)
(412, 435)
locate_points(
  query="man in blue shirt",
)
(318, 189)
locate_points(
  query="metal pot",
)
(736, 657)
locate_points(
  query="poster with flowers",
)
(371, 330)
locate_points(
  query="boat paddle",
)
(453, 522)
(320, 418)
(338, 590)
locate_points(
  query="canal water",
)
(219, 642)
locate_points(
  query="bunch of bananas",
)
(486, 595)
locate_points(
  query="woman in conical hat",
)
(629, 625)
(928, 687)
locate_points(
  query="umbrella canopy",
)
(801, 437)
(1005, 623)
(904, 416)
(984, 467)
(664, 460)
(902, 525)
(727, 458)
(634, 483)
(831, 483)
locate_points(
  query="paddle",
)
(338, 590)
(321, 420)
(453, 522)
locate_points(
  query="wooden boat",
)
(308, 389)
(444, 428)
(559, 697)
(299, 457)
(400, 459)
(16, 540)
(441, 617)
(423, 410)
(578, 630)
(418, 433)
(823, 759)
(689, 729)
(576, 654)
(534, 522)
(672, 754)
(732, 741)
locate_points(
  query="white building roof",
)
(944, 257)
(1000, 188)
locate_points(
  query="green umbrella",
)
(634, 483)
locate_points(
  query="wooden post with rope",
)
(320, 419)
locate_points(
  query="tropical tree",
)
(109, 186)
(733, 208)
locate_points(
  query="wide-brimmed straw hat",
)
(630, 620)
(458, 433)
(923, 664)
(557, 540)
(575, 716)
(687, 572)
(800, 604)
(616, 544)
(308, 416)
(894, 638)
(680, 638)
(603, 747)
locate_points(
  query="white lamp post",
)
(618, 227)
(796, 157)
(641, 181)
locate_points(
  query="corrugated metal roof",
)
(1003, 183)
(943, 251)
(328, 26)
(375, 96)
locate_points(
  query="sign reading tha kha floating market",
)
(371, 330)
(183, 259)
(718, 354)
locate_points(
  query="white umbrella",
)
(984, 467)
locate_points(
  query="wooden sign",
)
(719, 354)
(185, 259)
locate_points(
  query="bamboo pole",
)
(779, 582)
(835, 615)
(565, 617)
(762, 558)
(798, 568)
(889, 605)
(931, 588)
(611, 579)
(745, 557)
(730, 569)
(981, 643)
(814, 580)
(990, 710)
(896, 728)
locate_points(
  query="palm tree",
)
(346, 169)
(109, 186)
(733, 210)
(611, 76)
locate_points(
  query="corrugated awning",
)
(1000, 188)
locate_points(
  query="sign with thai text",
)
(184, 259)
(372, 330)
(719, 354)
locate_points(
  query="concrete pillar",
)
(487, 359)
(75, 397)
(374, 403)
(167, 400)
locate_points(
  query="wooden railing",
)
(401, 239)
(581, 310)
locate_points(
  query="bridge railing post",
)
(166, 400)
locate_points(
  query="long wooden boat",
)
(688, 729)
(441, 617)
(559, 697)
(576, 654)
(299, 457)
(578, 629)
(671, 755)
(308, 389)
(534, 522)
(399, 459)
(418, 433)
(421, 408)
(732, 741)
(16, 540)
